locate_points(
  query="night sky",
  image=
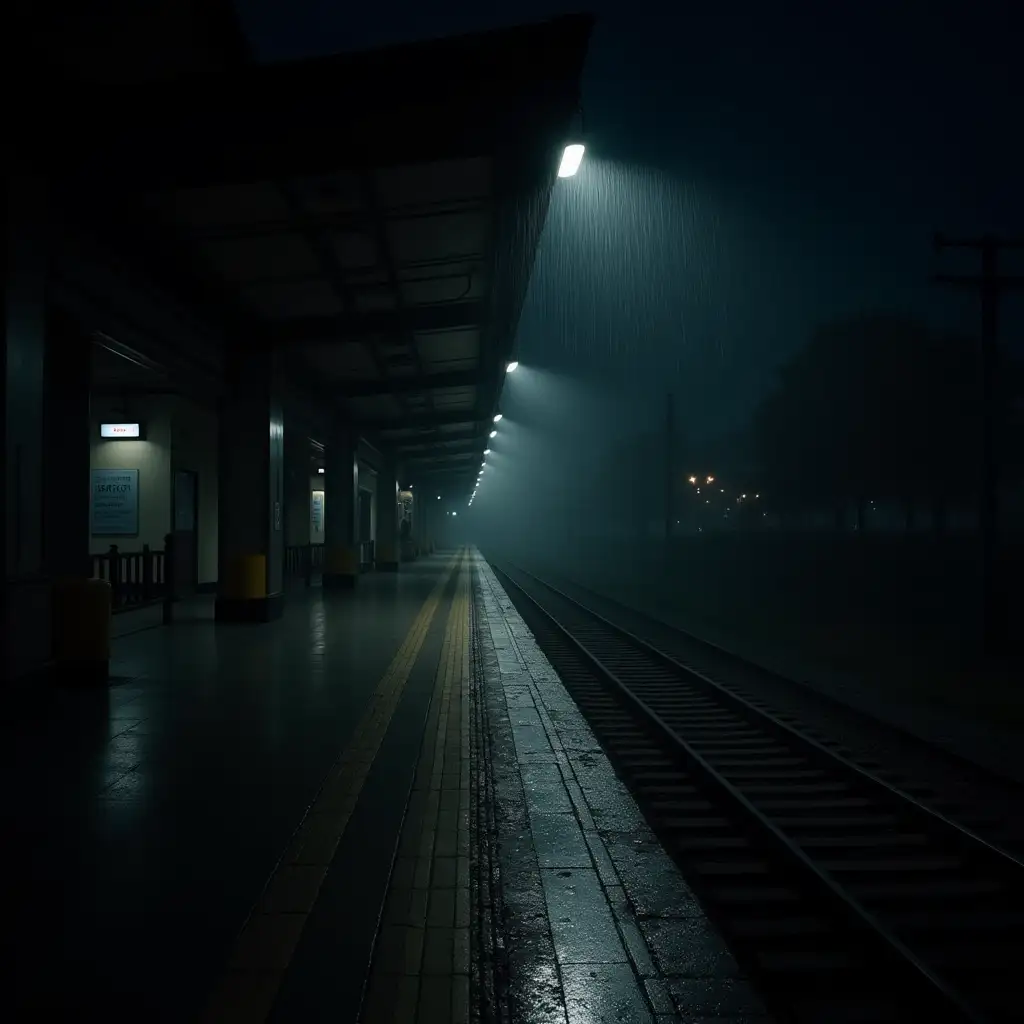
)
(752, 169)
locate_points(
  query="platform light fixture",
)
(487, 451)
(497, 417)
(320, 470)
(572, 157)
(512, 367)
(493, 433)
(439, 497)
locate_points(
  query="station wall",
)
(178, 435)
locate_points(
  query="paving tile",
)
(460, 999)
(547, 797)
(636, 946)
(439, 951)
(659, 893)
(435, 1003)
(689, 947)
(535, 993)
(659, 996)
(441, 909)
(582, 926)
(603, 993)
(398, 949)
(445, 873)
(531, 739)
(605, 867)
(293, 889)
(578, 740)
(698, 998)
(267, 942)
(390, 999)
(559, 841)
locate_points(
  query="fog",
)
(814, 497)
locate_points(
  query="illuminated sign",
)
(114, 431)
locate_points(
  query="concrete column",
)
(297, 510)
(387, 517)
(26, 617)
(341, 510)
(251, 466)
(66, 433)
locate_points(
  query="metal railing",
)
(135, 577)
(301, 561)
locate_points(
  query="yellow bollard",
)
(81, 629)
(341, 567)
(245, 578)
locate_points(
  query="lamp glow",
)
(493, 433)
(572, 157)
(512, 367)
(497, 418)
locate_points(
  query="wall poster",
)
(317, 507)
(115, 503)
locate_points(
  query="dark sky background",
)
(752, 169)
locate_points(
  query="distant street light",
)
(711, 479)
(497, 418)
(693, 479)
(439, 497)
(572, 157)
(512, 367)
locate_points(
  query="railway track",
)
(977, 797)
(847, 899)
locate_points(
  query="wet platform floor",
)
(273, 823)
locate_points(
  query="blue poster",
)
(115, 502)
(318, 512)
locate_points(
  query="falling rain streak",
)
(633, 267)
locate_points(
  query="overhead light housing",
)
(572, 157)
(493, 433)
(512, 367)
(497, 417)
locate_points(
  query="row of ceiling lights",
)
(572, 157)
(510, 368)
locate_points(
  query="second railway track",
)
(846, 897)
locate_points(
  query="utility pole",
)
(990, 285)
(669, 453)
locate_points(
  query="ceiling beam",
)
(382, 324)
(412, 383)
(428, 436)
(431, 419)
(442, 456)
(458, 445)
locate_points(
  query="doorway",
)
(186, 521)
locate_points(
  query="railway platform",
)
(382, 807)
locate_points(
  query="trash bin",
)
(81, 630)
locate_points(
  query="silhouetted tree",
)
(874, 406)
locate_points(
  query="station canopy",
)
(372, 217)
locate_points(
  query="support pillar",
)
(387, 517)
(67, 445)
(251, 468)
(26, 615)
(341, 510)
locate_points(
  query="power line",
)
(991, 286)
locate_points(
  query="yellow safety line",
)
(264, 947)
(433, 828)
